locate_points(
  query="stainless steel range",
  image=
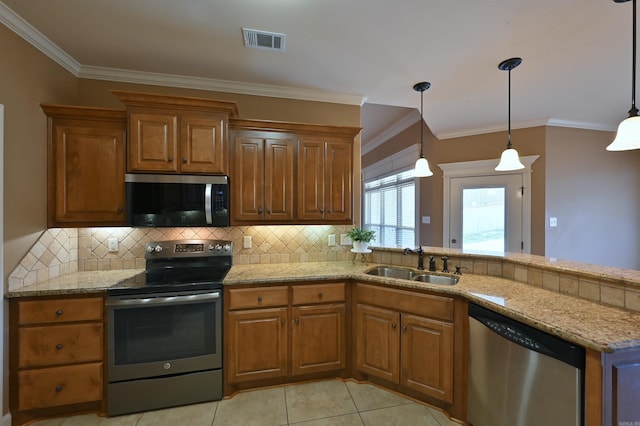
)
(165, 328)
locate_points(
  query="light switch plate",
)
(113, 244)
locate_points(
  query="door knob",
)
(453, 240)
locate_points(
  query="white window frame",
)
(399, 162)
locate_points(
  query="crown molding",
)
(525, 125)
(404, 123)
(34, 37)
(172, 80)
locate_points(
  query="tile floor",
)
(324, 403)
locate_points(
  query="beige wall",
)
(28, 79)
(595, 196)
(529, 141)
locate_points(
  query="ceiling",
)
(576, 68)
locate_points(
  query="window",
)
(390, 209)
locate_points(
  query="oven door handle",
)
(192, 298)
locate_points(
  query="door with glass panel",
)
(486, 213)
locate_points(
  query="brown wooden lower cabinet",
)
(273, 333)
(413, 340)
(56, 356)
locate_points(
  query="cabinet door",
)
(338, 180)
(311, 180)
(258, 344)
(88, 186)
(202, 145)
(318, 338)
(378, 342)
(427, 356)
(248, 178)
(278, 179)
(153, 142)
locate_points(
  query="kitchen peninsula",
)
(572, 301)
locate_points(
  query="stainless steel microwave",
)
(177, 200)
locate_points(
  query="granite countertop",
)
(592, 325)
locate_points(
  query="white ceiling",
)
(576, 68)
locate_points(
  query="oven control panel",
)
(188, 248)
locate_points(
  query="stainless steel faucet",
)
(420, 255)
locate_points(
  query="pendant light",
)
(509, 159)
(422, 165)
(628, 136)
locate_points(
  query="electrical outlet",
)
(246, 241)
(344, 240)
(553, 222)
(332, 240)
(113, 244)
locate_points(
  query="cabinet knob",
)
(404, 328)
(169, 158)
(269, 211)
(283, 322)
(119, 210)
(59, 312)
(297, 320)
(259, 298)
(393, 325)
(59, 388)
(329, 211)
(59, 346)
(184, 160)
(321, 210)
(259, 209)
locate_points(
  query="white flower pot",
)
(360, 246)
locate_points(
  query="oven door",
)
(164, 334)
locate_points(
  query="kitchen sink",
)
(411, 274)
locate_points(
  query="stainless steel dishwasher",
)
(521, 376)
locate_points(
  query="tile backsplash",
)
(60, 251)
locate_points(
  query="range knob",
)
(218, 247)
(227, 247)
(211, 247)
(158, 248)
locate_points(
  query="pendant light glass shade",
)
(509, 160)
(422, 168)
(628, 136)
(422, 165)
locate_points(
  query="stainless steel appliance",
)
(177, 200)
(164, 328)
(521, 376)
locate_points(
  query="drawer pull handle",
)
(259, 298)
(59, 312)
(59, 388)
(59, 346)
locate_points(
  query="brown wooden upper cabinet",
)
(291, 172)
(325, 176)
(170, 134)
(263, 176)
(86, 166)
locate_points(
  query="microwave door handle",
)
(207, 204)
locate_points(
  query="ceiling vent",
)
(263, 39)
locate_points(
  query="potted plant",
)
(361, 238)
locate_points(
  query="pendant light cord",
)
(422, 120)
(509, 113)
(633, 111)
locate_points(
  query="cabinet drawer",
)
(246, 298)
(429, 305)
(51, 387)
(318, 293)
(59, 344)
(60, 310)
